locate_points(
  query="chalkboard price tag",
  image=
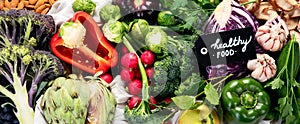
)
(225, 47)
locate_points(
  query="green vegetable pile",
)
(175, 62)
(170, 84)
(176, 74)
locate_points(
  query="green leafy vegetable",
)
(156, 40)
(87, 6)
(110, 12)
(190, 16)
(184, 102)
(211, 94)
(191, 86)
(139, 28)
(285, 83)
(114, 30)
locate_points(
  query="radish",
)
(150, 72)
(106, 77)
(127, 75)
(129, 60)
(133, 102)
(137, 73)
(152, 102)
(167, 101)
(147, 57)
(124, 50)
(135, 87)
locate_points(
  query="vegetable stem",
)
(25, 113)
(145, 91)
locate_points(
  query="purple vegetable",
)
(239, 18)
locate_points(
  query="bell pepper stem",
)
(145, 91)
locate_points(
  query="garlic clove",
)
(268, 45)
(263, 38)
(257, 73)
(276, 46)
(268, 72)
(252, 64)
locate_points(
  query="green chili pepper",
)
(244, 101)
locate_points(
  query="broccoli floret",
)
(166, 69)
(166, 77)
(142, 118)
(139, 114)
(25, 68)
(170, 71)
(21, 26)
(189, 62)
(45, 67)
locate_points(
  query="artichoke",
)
(102, 104)
(66, 101)
(76, 100)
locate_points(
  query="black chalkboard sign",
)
(225, 47)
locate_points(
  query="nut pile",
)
(39, 6)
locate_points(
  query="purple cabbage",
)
(239, 18)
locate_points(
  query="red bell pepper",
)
(86, 48)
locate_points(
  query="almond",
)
(30, 6)
(38, 4)
(14, 3)
(1, 4)
(51, 2)
(7, 4)
(5, 9)
(20, 5)
(41, 8)
(45, 11)
(26, 3)
(32, 1)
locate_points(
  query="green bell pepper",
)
(244, 101)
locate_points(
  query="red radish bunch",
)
(129, 63)
(131, 75)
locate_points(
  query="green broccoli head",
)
(87, 6)
(166, 77)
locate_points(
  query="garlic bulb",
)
(272, 36)
(263, 68)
